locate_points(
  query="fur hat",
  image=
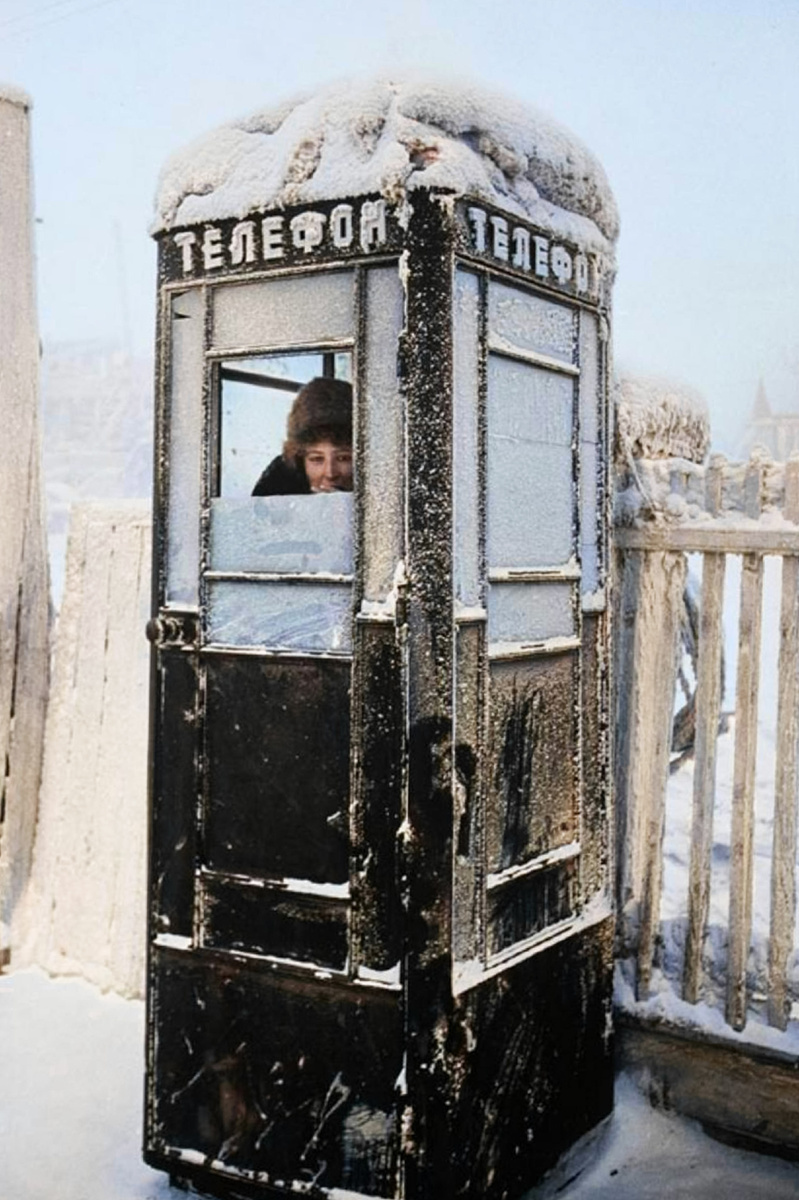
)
(321, 412)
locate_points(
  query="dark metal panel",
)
(469, 831)
(175, 785)
(258, 1073)
(378, 785)
(277, 760)
(244, 916)
(595, 840)
(533, 805)
(524, 907)
(532, 1049)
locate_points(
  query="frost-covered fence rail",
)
(666, 510)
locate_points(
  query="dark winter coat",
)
(281, 479)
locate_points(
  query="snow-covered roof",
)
(354, 138)
(659, 418)
(15, 95)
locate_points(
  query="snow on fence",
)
(666, 511)
(83, 910)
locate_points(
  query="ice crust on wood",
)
(83, 912)
(359, 137)
(660, 418)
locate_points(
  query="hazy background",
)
(691, 106)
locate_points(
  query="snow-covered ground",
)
(70, 1116)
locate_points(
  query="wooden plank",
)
(709, 539)
(708, 707)
(750, 1092)
(628, 572)
(741, 837)
(655, 671)
(783, 860)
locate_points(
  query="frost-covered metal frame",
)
(405, 995)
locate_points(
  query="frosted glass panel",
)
(588, 490)
(589, 567)
(284, 312)
(530, 486)
(466, 445)
(529, 612)
(283, 533)
(383, 421)
(589, 378)
(283, 616)
(185, 431)
(530, 323)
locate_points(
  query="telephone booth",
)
(380, 923)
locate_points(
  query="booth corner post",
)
(380, 944)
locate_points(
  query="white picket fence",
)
(667, 510)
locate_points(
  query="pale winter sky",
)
(691, 105)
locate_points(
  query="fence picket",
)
(708, 708)
(657, 636)
(741, 837)
(783, 862)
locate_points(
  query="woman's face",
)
(328, 468)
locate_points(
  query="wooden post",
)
(783, 860)
(741, 849)
(708, 707)
(24, 588)
(652, 682)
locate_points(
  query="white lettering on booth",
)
(213, 253)
(341, 230)
(272, 237)
(242, 243)
(184, 242)
(500, 247)
(307, 231)
(478, 218)
(533, 252)
(521, 249)
(541, 256)
(373, 223)
(561, 262)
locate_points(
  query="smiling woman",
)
(317, 452)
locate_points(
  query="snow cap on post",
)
(660, 418)
(15, 95)
(391, 137)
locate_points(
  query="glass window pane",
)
(528, 322)
(294, 311)
(588, 515)
(383, 416)
(589, 378)
(283, 534)
(256, 395)
(466, 500)
(530, 485)
(529, 612)
(280, 616)
(184, 436)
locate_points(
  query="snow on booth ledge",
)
(390, 137)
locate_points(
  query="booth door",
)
(274, 1047)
